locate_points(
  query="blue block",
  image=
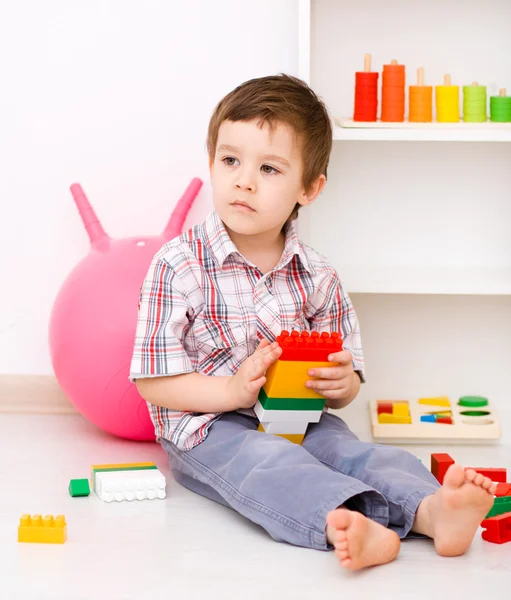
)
(428, 418)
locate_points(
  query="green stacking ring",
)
(473, 401)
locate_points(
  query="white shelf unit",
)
(462, 244)
(420, 233)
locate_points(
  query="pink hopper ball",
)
(94, 318)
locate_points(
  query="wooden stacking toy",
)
(421, 100)
(500, 108)
(447, 97)
(366, 92)
(474, 103)
(393, 93)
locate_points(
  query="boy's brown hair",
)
(280, 99)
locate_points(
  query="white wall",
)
(115, 94)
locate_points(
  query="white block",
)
(286, 416)
(282, 427)
(147, 484)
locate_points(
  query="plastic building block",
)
(290, 403)
(286, 416)
(119, 467)
(286, 379)
(42, 530)
(503, 489)
(439, 465)
(499, 475)
(438, 401)
(296, 438)
(384, 407)
(386, 418)
(148, 484)
(79, 487)
(288, 428)
(500, 506)
(309, 347)
(497, 529)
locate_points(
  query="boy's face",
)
(256, 176)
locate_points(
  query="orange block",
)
(286, 379)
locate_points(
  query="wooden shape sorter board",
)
(478, 424)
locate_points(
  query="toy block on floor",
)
(308, 346)
(497, 529)
(119, 467)
(286, 379)
(500, 506)
(42, 530)
(437, 401)
(79, 487)
(503, 489)
(497, 475)
(439, 465)
(147, 484)
(290, 403)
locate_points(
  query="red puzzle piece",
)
(493, 474)
(384, 407)
(311, 347)
(503, 489)
(498, 529)
(439, 465)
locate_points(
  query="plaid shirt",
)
(204, 307)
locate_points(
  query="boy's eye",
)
(229, 161)
(268, 169)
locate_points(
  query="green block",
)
(79, 487)
(290, 403)
(500, 506)
(473, 401)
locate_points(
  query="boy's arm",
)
(340, 385)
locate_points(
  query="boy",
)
(211, 306)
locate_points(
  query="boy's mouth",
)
(243, 206)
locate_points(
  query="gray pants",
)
(289, 489)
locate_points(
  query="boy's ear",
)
(314, 191)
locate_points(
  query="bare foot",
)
(452, 515)
(360, 542)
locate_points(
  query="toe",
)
(487, 483)
(478, 479)
(339, 518)
(342, 554)
(455, 476)
(470, 474)
(342, 545)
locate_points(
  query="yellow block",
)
(296, 438)
(400, 409)
(388, 418)
(286, 379)
(438, 401)
(47, 530)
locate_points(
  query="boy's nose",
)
(245, 182)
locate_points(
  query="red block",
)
(497, 529)
(308, 346)
(503, 489)
(446, 420)
(384, 407)
(493, 474)
(439, 465)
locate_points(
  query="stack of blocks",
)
(497, 523)
(129, 481)
(285, 407)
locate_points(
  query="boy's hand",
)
(245, 385)
(339, 383)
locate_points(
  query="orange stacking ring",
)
(366, 93)
(421, 101)
(393, 93)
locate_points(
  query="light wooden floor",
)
(186, 546)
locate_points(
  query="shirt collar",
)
(221, 245)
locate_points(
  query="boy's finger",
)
(328, 372)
